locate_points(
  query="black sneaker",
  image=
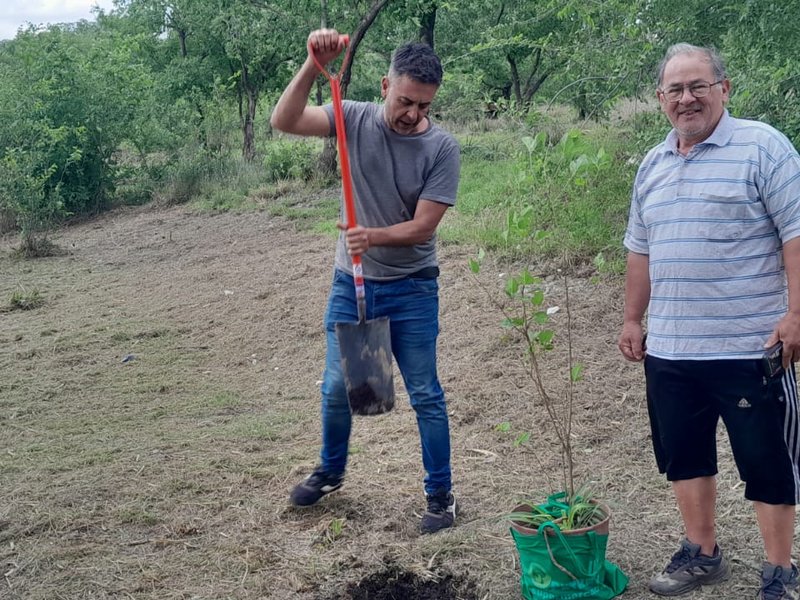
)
(688, 569)
(441, 511)
(778, 583)
(314, 487)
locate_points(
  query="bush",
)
(25, 300)
(290, 159)
(185, 178)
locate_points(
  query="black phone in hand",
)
(772, 361)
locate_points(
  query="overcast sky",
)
(18, 13)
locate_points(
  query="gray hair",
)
(711, 55)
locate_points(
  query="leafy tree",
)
(763, 66)
(69, 97)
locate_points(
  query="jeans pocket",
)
(424, 285)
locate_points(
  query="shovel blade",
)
(366, 353)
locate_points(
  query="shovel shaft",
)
(344, 159)
(347, 191)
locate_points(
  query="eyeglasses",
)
(698, 89)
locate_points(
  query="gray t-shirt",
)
(390, 173)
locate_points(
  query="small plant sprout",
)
(334, 530)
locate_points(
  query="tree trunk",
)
(534, 83)
(366, 22)
(248, 113)
(182, 39)
(427, 23)
(532, 87)
(249, 148)
(515, 84)
(327, 160)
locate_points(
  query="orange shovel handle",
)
(344, 159)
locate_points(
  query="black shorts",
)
(686, 398)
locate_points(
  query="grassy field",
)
(160, 398)
(160, 380)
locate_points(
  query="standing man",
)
(714, 257)
(405, 175)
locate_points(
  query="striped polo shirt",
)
(713, 224)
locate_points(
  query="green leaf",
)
(503, 427)
(545, 338)
(522, 438)
(530, 143)
(474, 265)
(512, 287)
(525, 278)
(511, 322)
(576, 372)
(541, 317)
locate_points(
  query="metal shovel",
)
(365, 347)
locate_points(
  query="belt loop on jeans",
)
(425, 273)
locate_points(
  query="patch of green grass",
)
(225, 400)
(223, 200)
(270, 427)
(485, 190)
(135, 515)
(191, 486)
(22, 300)
(307, 214)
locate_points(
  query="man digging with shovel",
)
(405, 175)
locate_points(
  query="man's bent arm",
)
(292, 113)
(420, 229)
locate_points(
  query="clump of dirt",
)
(396, 584)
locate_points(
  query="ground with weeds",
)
(159, 399)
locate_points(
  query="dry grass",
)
(157, 409)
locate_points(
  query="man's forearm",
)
(791, 263)
(637, 287)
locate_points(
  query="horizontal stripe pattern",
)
(713, 224)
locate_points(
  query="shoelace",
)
(679, 559)
(317, 479)
(775, 588)
(437, 504)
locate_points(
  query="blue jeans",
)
(412, 306)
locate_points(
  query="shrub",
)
(26, 300)
(290, 159)
(185, 178)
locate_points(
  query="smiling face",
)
(406, 103)
(694, 119)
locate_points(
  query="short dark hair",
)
(711, 55)
(417, 61)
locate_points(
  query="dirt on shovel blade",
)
(364, 400)
(366, 354)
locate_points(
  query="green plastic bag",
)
(567, 567)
